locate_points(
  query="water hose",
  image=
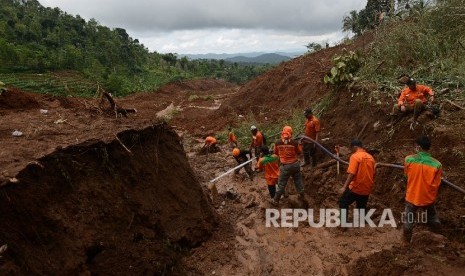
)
(233, 169)
(396, 166)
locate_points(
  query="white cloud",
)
(205, 26)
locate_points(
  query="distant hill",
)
(265, 58)
(252, 57)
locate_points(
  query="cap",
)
(253, 128)
(411, 81)
(236, 152)
(308, 111)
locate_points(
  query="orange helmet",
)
(236, 152)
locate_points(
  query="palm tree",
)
(352, 23)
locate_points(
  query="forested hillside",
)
(36, 39)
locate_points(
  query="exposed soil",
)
(75, 200)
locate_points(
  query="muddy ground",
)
(85, 191)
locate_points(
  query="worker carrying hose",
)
(423, 180)
(288, 150)
(414, 98)
(257, 141)
(269, 163)
(312, 130)
(360, 177)
(241, 157)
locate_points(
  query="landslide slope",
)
(85, 192)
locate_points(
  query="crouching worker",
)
(269, 164)
(241, 157)
(288, 150)
(210, 145)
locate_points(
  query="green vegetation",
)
(345, 66)
(204, 98)
(35, 40)
(272, 130)
(426, 42)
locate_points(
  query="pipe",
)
(443, 180)
(323, 148)
(231, 170)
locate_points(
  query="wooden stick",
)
(363, 129)
(454, 104)
(121, 143)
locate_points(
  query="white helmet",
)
(253, 128)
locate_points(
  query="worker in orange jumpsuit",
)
(257, 141)
(312, 130)
(241, 157)
(269, 164)
(423, 180)
(360, 178)
(413, 97)
(232, 139)
(210, 144)
(288, 150)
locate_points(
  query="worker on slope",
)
(413, 97)
(312, 130)
(423, 180)
(269, 163)
(210, 145)
(288, 150)
(360, 177)
(257, 141)
(232, 139)
(241, 157)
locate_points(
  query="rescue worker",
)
(360, 178)
(241, 157)
(210, 145)
(232, 139)
(312, 130)
(257, 141)
(414, 97)
(288, 150)
(423, 180)
(269, 164)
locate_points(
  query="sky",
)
(219, 26)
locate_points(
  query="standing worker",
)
(360, 178)
(257, 141)
(423, 179)
(287, 150)
(269, 163)
(312, 130)
(413, 97)
(232, 139)
(241, 157)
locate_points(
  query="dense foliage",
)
(420, 40)
(38, 39)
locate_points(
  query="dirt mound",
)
(16, 99)
(96, 208)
